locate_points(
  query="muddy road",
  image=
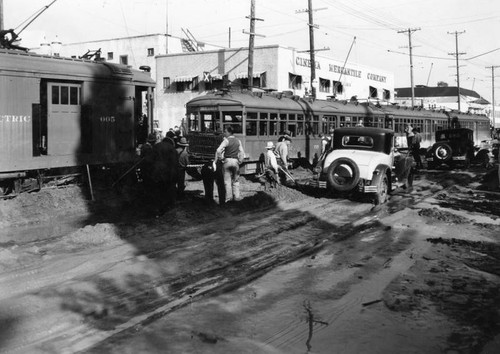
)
(282, 271)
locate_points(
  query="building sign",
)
(375, 77)
(345, 71)
(341, 70)
(307, 63)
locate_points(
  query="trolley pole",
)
(251, 43)
(456, 54)
(410, 31)
(493, 93)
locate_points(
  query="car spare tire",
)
(343, 174)
(442, 152)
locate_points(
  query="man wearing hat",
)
(147, 163)
(182, 152)
(281, 152)
(271, 166)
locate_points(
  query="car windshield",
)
(357, 141)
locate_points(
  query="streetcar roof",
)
(281, 102)
(18, 63)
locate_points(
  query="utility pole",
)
(166, 27)
(229, 34)
(311, 44)
(456, 54)
(493, 92)
(1, 15)
(410, 31)
(251, 42)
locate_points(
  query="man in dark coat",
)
(164, 175)
(212, 172)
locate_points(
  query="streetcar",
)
(58, 113)
(258, 117)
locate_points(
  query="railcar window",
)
(251, 125)
(64, 94)
(235, 120)
(193, 122)
(300, 117)
(55, 94)
(74, 97)
(345, 121)
(300, 128)
(262, 127)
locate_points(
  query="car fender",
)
(379, 172)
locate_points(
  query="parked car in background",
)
(364, 160)
(455, 148)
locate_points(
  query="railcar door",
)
(63, 118)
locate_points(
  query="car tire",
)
(442, 152)
(343, 174)
(382, 190)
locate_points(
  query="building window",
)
(294, 81)
(338, 88)
(182, 86)
(387, 95)
(124, 59)
(110, 55)
(373, 92)
(324, 85)
(151, 52)
(166, 83)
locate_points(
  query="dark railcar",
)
(60, 112)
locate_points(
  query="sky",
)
(365, 32)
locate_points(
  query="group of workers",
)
(164, 163)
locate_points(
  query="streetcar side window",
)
(273, 124)
(251, 124)
(193, 122)
(300, 124)
(233, 119)
(292, 124)
(263, 124)
(282, 123)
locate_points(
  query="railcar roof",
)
(21, 63)
(402, 111)
(281, 102)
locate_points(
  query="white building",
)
(181, 77)
(445, 97)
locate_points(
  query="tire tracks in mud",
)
(278, 237)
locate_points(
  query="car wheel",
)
(442, 152)
(382, 190)
(343, 174)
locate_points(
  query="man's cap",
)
(269, 145)
(183, 142)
